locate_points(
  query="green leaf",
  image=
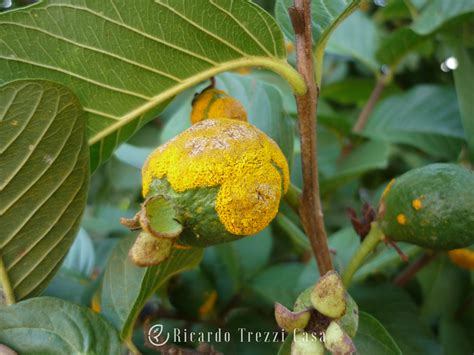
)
(47, 325)
(426, 117)
(253, 253)
(439, 12)
(285, 348)
(221, 264)
(444, 287)
(368, 156)
(373, 338)
(454, 338)
(128, 60)
(81, 255)
(357, 38)
(397, 45)
(464, 88)
(126, 287)
(279, 283)
(327, 15)
(44, 176)
(392, 307)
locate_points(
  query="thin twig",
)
(412, 269)
(310, 209)
(369, 106)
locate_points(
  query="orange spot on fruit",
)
(402, 219)
(417, 204)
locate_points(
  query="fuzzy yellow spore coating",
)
(213, 103)
(402, 219)
(249, 167)
(417, 204)
(463, 258)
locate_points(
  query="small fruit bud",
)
(213, 103)
(337, 341)
(350, 320)
(329, 296)
(149, 250)
(289, 320)
(306, 344)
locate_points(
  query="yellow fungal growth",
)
(402, 219)
(463, 258)
(417, 204)
(249, 167)
(387, 188)
(213, 103)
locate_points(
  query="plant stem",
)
(411, 270)
(293, 231)
(412, 8)
(310, 209)
(8, 292)
(131, 347)
(369, 106)
(370, 242)
(293, 197)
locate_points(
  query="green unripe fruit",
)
(432, 207)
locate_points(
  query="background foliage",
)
(425, 114)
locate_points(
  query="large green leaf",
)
(426, 117)
(81, 255)
(47, 325)
(397, 45)
(399, 315)
(439, 12)
(358, 38)
(279, 283)
(126, 287)
(464, 88)
(44, 176)
(373, 338)
(444, 287)
(125, 60)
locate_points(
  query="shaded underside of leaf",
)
(126, 287)
(125, 60)
(44, 176)
(373, 338)
(426, 117)
(47, 325)
(438, 12)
